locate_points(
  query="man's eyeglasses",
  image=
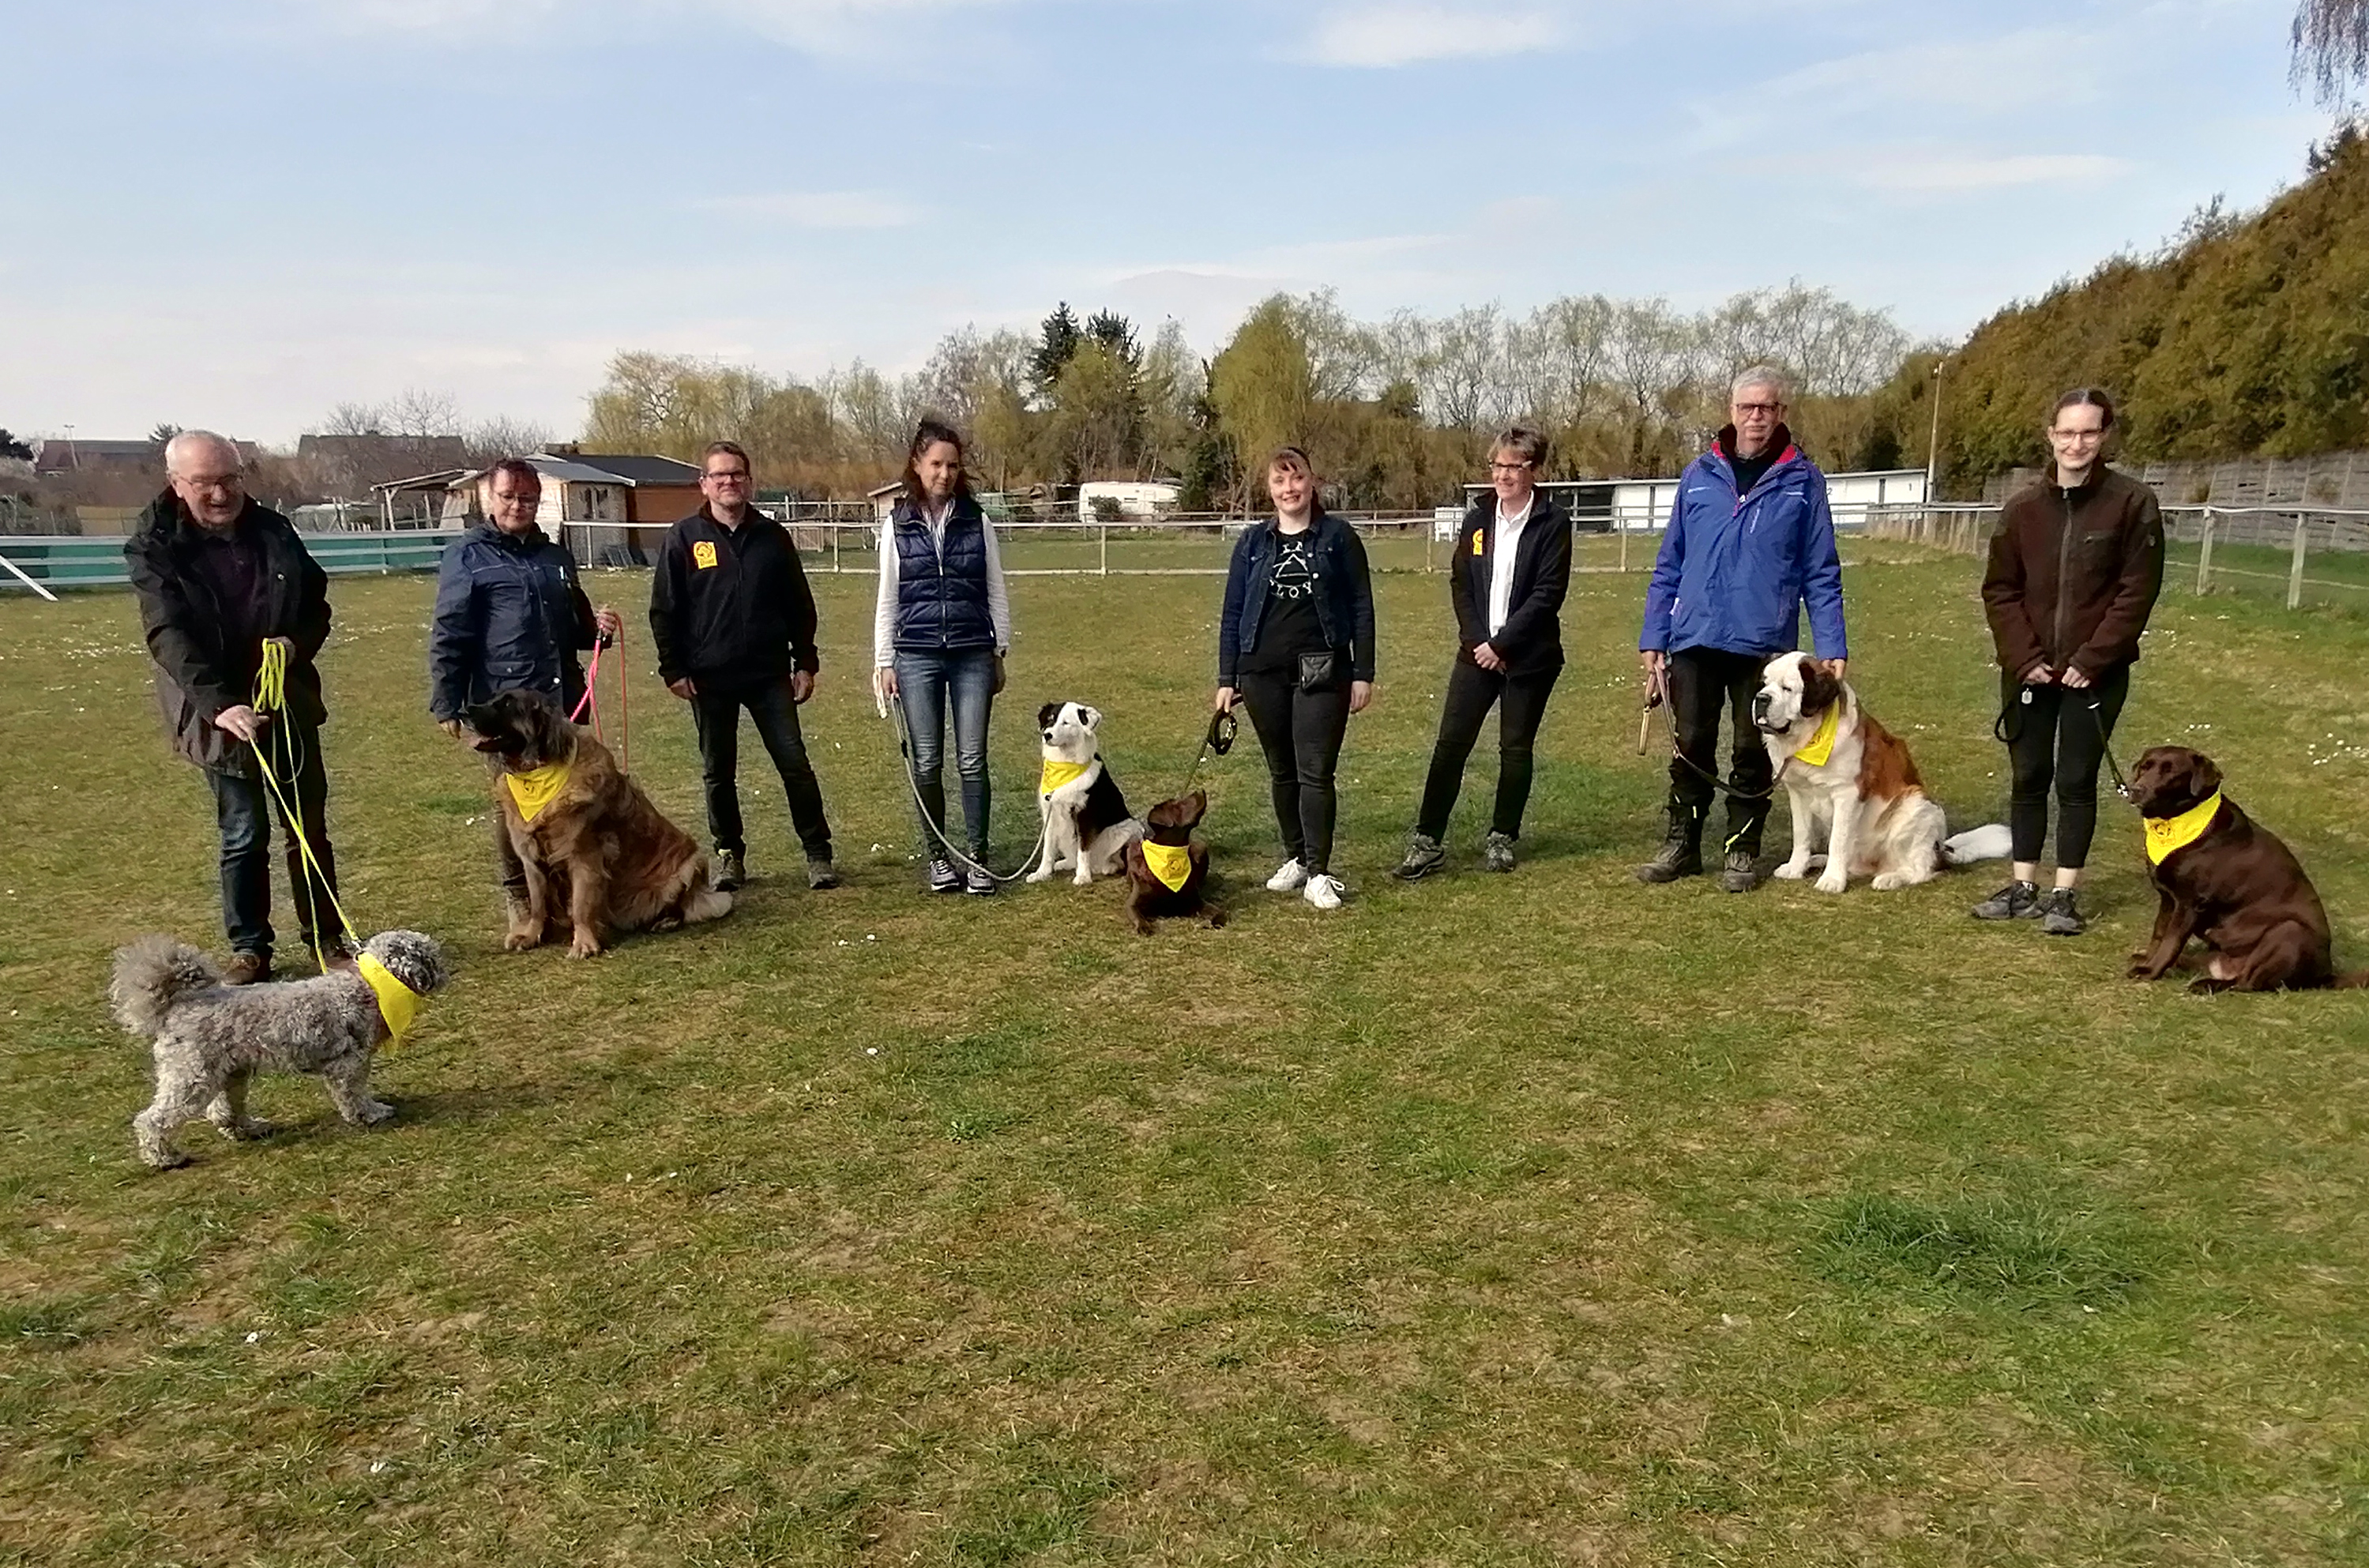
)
(226, 482)
(728, 476)
(1743, 409)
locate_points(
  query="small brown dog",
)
(1167, 866)
(2229, 881)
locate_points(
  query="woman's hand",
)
(884, 679)
(1360, 694)
(997, 690)
(1488, 658)
(2074, 677)
(1225, 703)
(608, 623)
(2038, 675)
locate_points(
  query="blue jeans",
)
(244, 807)
(924, 683)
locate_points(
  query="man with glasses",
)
(2074, 568)
(218, 576)
(1750, 542)
(733, 621)
(510, 616)
(1507, 581)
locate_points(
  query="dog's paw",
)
(246, 1129)
(522, 941)
(1834, 881)
(163, 1159)
(2140, 969)
(1084, 878)
(1044, 874)
(373, 1112)
(1889, 881)
(1791, 871)
(585, 945)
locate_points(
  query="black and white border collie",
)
(1086, 822)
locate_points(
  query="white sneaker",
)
(1289, 877)
(1323, 891)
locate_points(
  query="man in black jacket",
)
(1507, 579)
(217, 575)
(734, 622)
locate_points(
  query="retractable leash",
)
(1216, 740)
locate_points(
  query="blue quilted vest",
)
(942, 599)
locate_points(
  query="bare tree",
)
(2330, 41)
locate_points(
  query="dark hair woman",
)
(942, 623)
(2075, 569)
(1296, 644)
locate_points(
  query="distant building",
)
(355, 465)
(1606, 506)
(97, 457)
(658, 491)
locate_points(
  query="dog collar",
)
(536, 788)
(1170, 863)
(1822, 744)
(397, 1002)
(1059, 774)
(2166, 835)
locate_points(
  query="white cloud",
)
(1941, 172)
(819, 208)
(1380, 37)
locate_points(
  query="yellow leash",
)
(272, 698)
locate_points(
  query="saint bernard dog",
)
(1086, 821)
(1852, 785)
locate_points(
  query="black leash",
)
(1218, 739)
(1657, 696)
(2007, 736)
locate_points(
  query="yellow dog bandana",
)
(397, 1002)
(1822, 744)
(1059, 774)
(1170, 863)
(2166, 835)
(536, 788)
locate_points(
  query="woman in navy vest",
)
(1296, 647)
(940, 629)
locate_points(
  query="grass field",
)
(1528, 1221)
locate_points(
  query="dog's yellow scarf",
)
(1059, 774)
(2167, 834)
(397, 1002)
(537, 787)
(1822, 744)
(1170, 863)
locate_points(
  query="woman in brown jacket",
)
(2075, 569)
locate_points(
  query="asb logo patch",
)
(703, 554)
(1479, 542)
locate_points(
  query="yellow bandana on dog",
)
(536, 788)
(1059, 774)
(1822, 744)
(397, 1002)
(1170, 863)
(2166, 835)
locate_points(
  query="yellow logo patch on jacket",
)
(1479, 542)
(703, 554)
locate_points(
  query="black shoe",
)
(1497, 853)
(2016, 901)
(1681, 852)
(1424, 856)
(981, 883)
(943, 878)
(2059, 914)
(821, 874)
(730, 873)
(1743, 872)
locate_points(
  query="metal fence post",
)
(2295, 572)
(2205, 554)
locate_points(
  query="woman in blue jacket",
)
(1296, 645)
(942, 623)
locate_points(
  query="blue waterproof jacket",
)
(1736, 570)
(1344, 596)
(509, 617)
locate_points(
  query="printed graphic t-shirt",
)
(1289, 627)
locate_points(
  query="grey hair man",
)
(218, 576)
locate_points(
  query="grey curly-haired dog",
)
(210, 1038)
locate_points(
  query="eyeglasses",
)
(728, 475)
(2077, 435)
(211, 480)
(1744, 409)
(1509, 468)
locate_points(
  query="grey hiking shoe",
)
(943, 877)
(1681, 852)
(1497, 853)
(730, 873)
(1742, 873)
(2059, 916)
(822, 874)
(2016, 901)
(1424, 856)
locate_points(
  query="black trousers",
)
(1301, 733)
(2053, 738)
(1472, 691)
(716, 711)
(244, 807)
(1703, 681)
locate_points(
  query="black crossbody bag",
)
(1319, 671)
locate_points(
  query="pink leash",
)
(624, 709)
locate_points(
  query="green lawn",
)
(1528, 1221)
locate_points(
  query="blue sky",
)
(241, 212)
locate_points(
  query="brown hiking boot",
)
(246, 968)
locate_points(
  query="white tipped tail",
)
(1990, 843)
(154, 976)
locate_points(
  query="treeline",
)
(2243, 337)
(1396, 413)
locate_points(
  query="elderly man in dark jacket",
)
(217, 575)
(733, 619)
(509, 617)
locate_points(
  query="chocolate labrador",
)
(2227, 880)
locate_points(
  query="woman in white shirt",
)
(942, 623)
